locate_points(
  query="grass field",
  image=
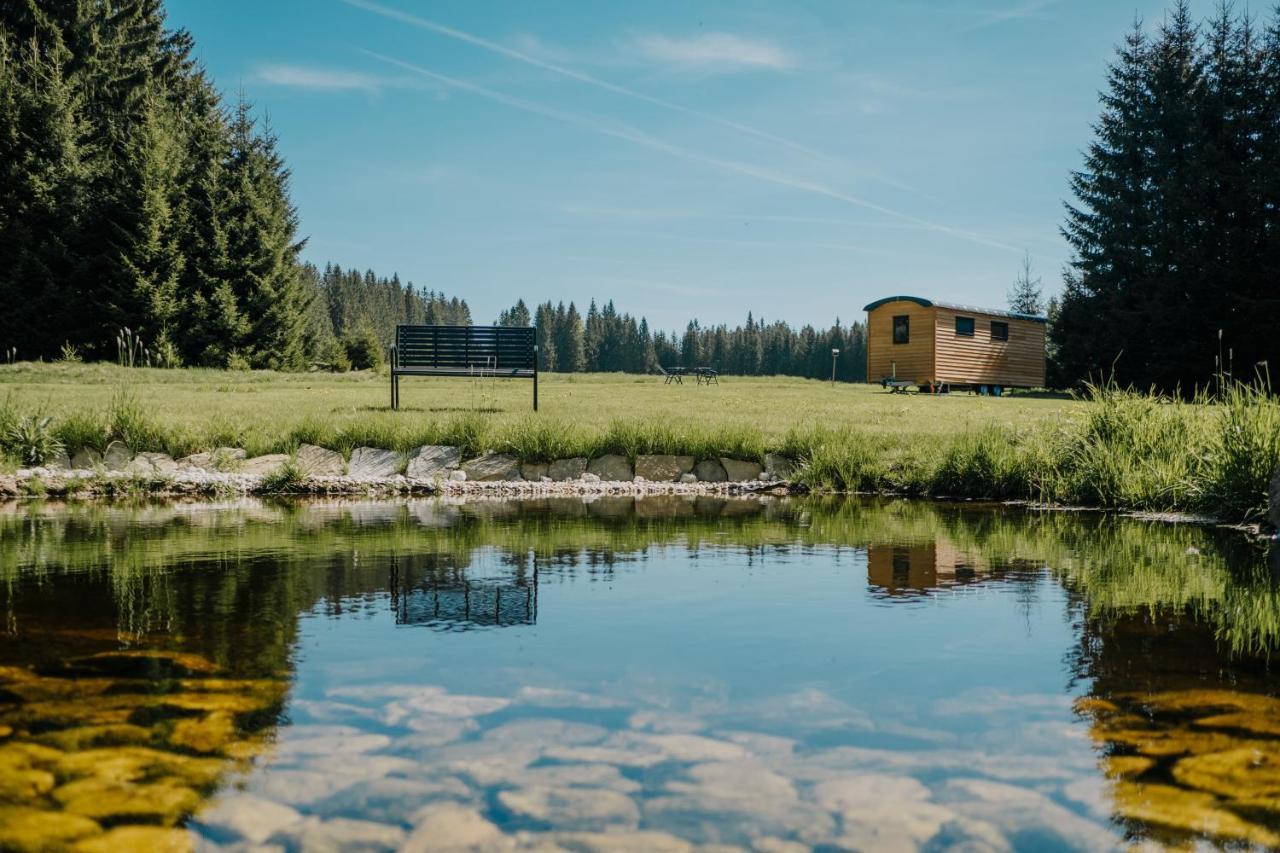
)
(1115, 450)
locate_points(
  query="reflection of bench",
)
(502, 352)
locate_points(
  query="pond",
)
(654, 674)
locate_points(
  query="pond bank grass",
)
(1112, 448)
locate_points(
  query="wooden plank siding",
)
(979, 360)
(914, 359)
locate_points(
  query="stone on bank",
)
(320, 461)
(611, 468)
(371, 463)
(739, 471)
(493, 467)
(562, 470)
(663, 469)
(432, 460)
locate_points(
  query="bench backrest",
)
(467, 347)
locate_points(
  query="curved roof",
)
(968, 309)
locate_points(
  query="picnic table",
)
(701, 375)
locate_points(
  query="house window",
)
(964, 327)
(999, 331)
(901, 329)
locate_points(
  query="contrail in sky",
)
(621, 130)
(520, 56)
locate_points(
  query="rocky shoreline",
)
(428, 470)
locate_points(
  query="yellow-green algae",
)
(1192, 763)
(116, 750)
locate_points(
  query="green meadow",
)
(1109, 448)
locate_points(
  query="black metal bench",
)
(502, 352)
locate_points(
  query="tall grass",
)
(1120, 449)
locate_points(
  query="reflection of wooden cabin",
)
(935, 344)
(917, 569)
(461, 600)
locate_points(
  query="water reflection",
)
(652, 673)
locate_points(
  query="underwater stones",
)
(86, 459)
(29, 830)
(163, 801)
(24, 783)
(710, 471)
(432, 460)
(779, 467)
(320, 461)
(124, 764)
(663, 468)
(1191, 811)
(261, 466)
(145, 664)
(234, 703)
(1125, 766)
(573, 808)
(1206, 701)
(450, 827)
(210, 733)
(242, 816)
(116, 456)
(562, 470)
(329, 740)
(341, 834)
(1247, 772)
(138, 839)
(90, 737)
(740, 471)
(374, 463)
(152, 465)
(611, 468)
(1254, 723)
(493, 467)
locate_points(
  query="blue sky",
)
(794, 159)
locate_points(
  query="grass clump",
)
(31, 439)
(288, 478)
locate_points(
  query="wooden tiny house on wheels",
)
(937, 346)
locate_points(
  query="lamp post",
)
(835, 353)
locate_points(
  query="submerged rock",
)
(369, 463)
(210, 733)
(562, 470)
(145, 664)
(611, 468)
(138, 839)
(740, 471)
(242, 816)
(493, 467)
(27, 829)
(164, 801)
(710, 471)
(320, 461)
(453, 827)
(432, 460)
(1191, 811)
(1247, 772)
(663, 469)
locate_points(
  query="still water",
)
(660, 674)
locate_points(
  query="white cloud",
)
(713, 52)
(324, 79)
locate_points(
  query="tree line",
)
(605, 340)
(1175, 222)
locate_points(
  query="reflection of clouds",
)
(1000, 703)
(546, 774)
